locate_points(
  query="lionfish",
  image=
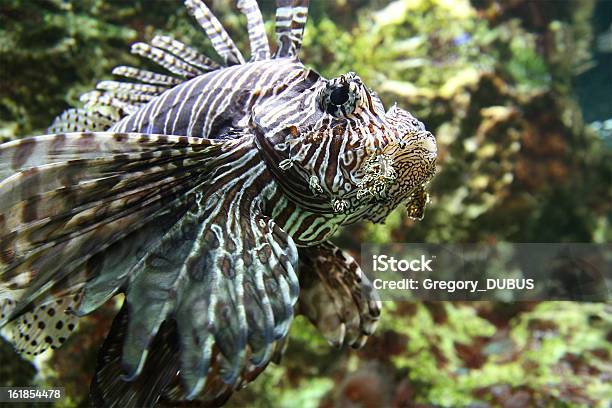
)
(207, 196)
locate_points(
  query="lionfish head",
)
(394, 154)
(336, 142)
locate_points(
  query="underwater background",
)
(519, 96)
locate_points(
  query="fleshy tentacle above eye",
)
(336, 296)
(291, 16)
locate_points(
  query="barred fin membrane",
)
(123, 99)
(223, 306)
(221, 41)
(336, 295)
(109, 389)
(130, 86)
(184, 52)
(22, 154)
(58, 212)
(97, 99)
(166, 60)
(136, 98)
(144, 76)
(160, 379)
(141, 342)
(103, 208)
(291, 16)
(81, 120)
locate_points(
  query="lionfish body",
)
(207, 197)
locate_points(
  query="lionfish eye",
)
(340, 97)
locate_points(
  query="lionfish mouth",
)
(398, 173)
(427, 141)
(425, 147)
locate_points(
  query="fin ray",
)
(258, 40)
(336, 295)
(291, 16)
(220, 39)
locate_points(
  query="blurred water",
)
(593, 87)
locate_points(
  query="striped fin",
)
(130, 86)
(69, 214)
(22, 154)
(57, 263)
(121, 259)
(220, 39)
(219, 311)
(238, 278)
(336, 295)
(82, 203)
(151, 297)
(120, 101)
(51, 226)
(291, 16)
(135, 98)
(108, 387)
(260, 49)
(100, 276)
(98, 99)
(159, 381)
(183, 51)
(230, 287)
(81, 120)
(147, 77)
(165, 60)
